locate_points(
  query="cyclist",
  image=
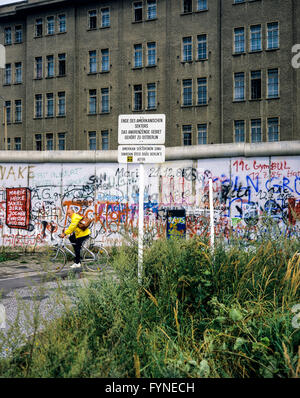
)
(77, 235)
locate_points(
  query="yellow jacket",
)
(79, 233)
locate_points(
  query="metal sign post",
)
(141, 137)
(141, 221)
(211, 210)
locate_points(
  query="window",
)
(187, 6)
(202, 47)
(202, 91)
(62, 28)
(187, 49)
(151, 96)
(61, 103)
(7, 78)
(18, 34)
(151, 54)
(239, 1)
(50, 66)
(105, 60)
(272, 35)
(138, 11)
(8, 111)
(273, 129)
(239, 131)
(104, 140)
(49, 142)
(50, 25)
(7, 35)
(38, 142)
(93, 61)
(61, 141)
(187, 92)
(201, 5)
(273, 83)
(18, 144)
(255, 38)
(38, 106)
(138, 56)
(239, 86)
(8, 144)
(49, 105)
(92, 24)
(38, 67)
(92, 141)
(18, 72)
(104, 100)
(18, 111)
(202, 134)
(61, 64)
(256, 130)
(239, 40)
(187, 134)
(256, 85)
(137, 97)
(38, 27)
(151, 9)
(92, 102)
(105, 18)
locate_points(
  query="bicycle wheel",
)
(100, 260)
(55, 260)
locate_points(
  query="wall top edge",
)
(282, 148)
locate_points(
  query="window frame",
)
(252, 88)
(235, 130)
(250, 39)
(199, 125)
(278, 128)
(268, 85)
(185, 53)
(188, 131)
(137, 92)
(261, 131)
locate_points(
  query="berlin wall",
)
(34, 197)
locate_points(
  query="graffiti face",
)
(36, 201)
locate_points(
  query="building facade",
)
(220, 70)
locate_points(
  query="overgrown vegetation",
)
(197, 314)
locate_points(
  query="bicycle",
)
(94, 258)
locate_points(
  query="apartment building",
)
(219, 69)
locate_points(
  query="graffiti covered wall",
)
(34, 198)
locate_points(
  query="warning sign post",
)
(141, 139)
(141, 153)
(141, 129)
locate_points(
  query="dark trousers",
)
(77, 244)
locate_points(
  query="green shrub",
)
(198, 313)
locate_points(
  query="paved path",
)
(24, 286)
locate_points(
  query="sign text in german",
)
(141, 129)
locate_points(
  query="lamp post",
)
(5, 123)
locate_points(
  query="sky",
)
(2, 2)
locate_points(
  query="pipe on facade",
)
(282, 148)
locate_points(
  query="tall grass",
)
(197, 313)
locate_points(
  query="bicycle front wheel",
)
(99, 262)
(55, 261)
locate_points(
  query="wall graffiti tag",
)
(34, 199)
(18, 203)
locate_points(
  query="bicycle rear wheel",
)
(55, 260)
(99, 262)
